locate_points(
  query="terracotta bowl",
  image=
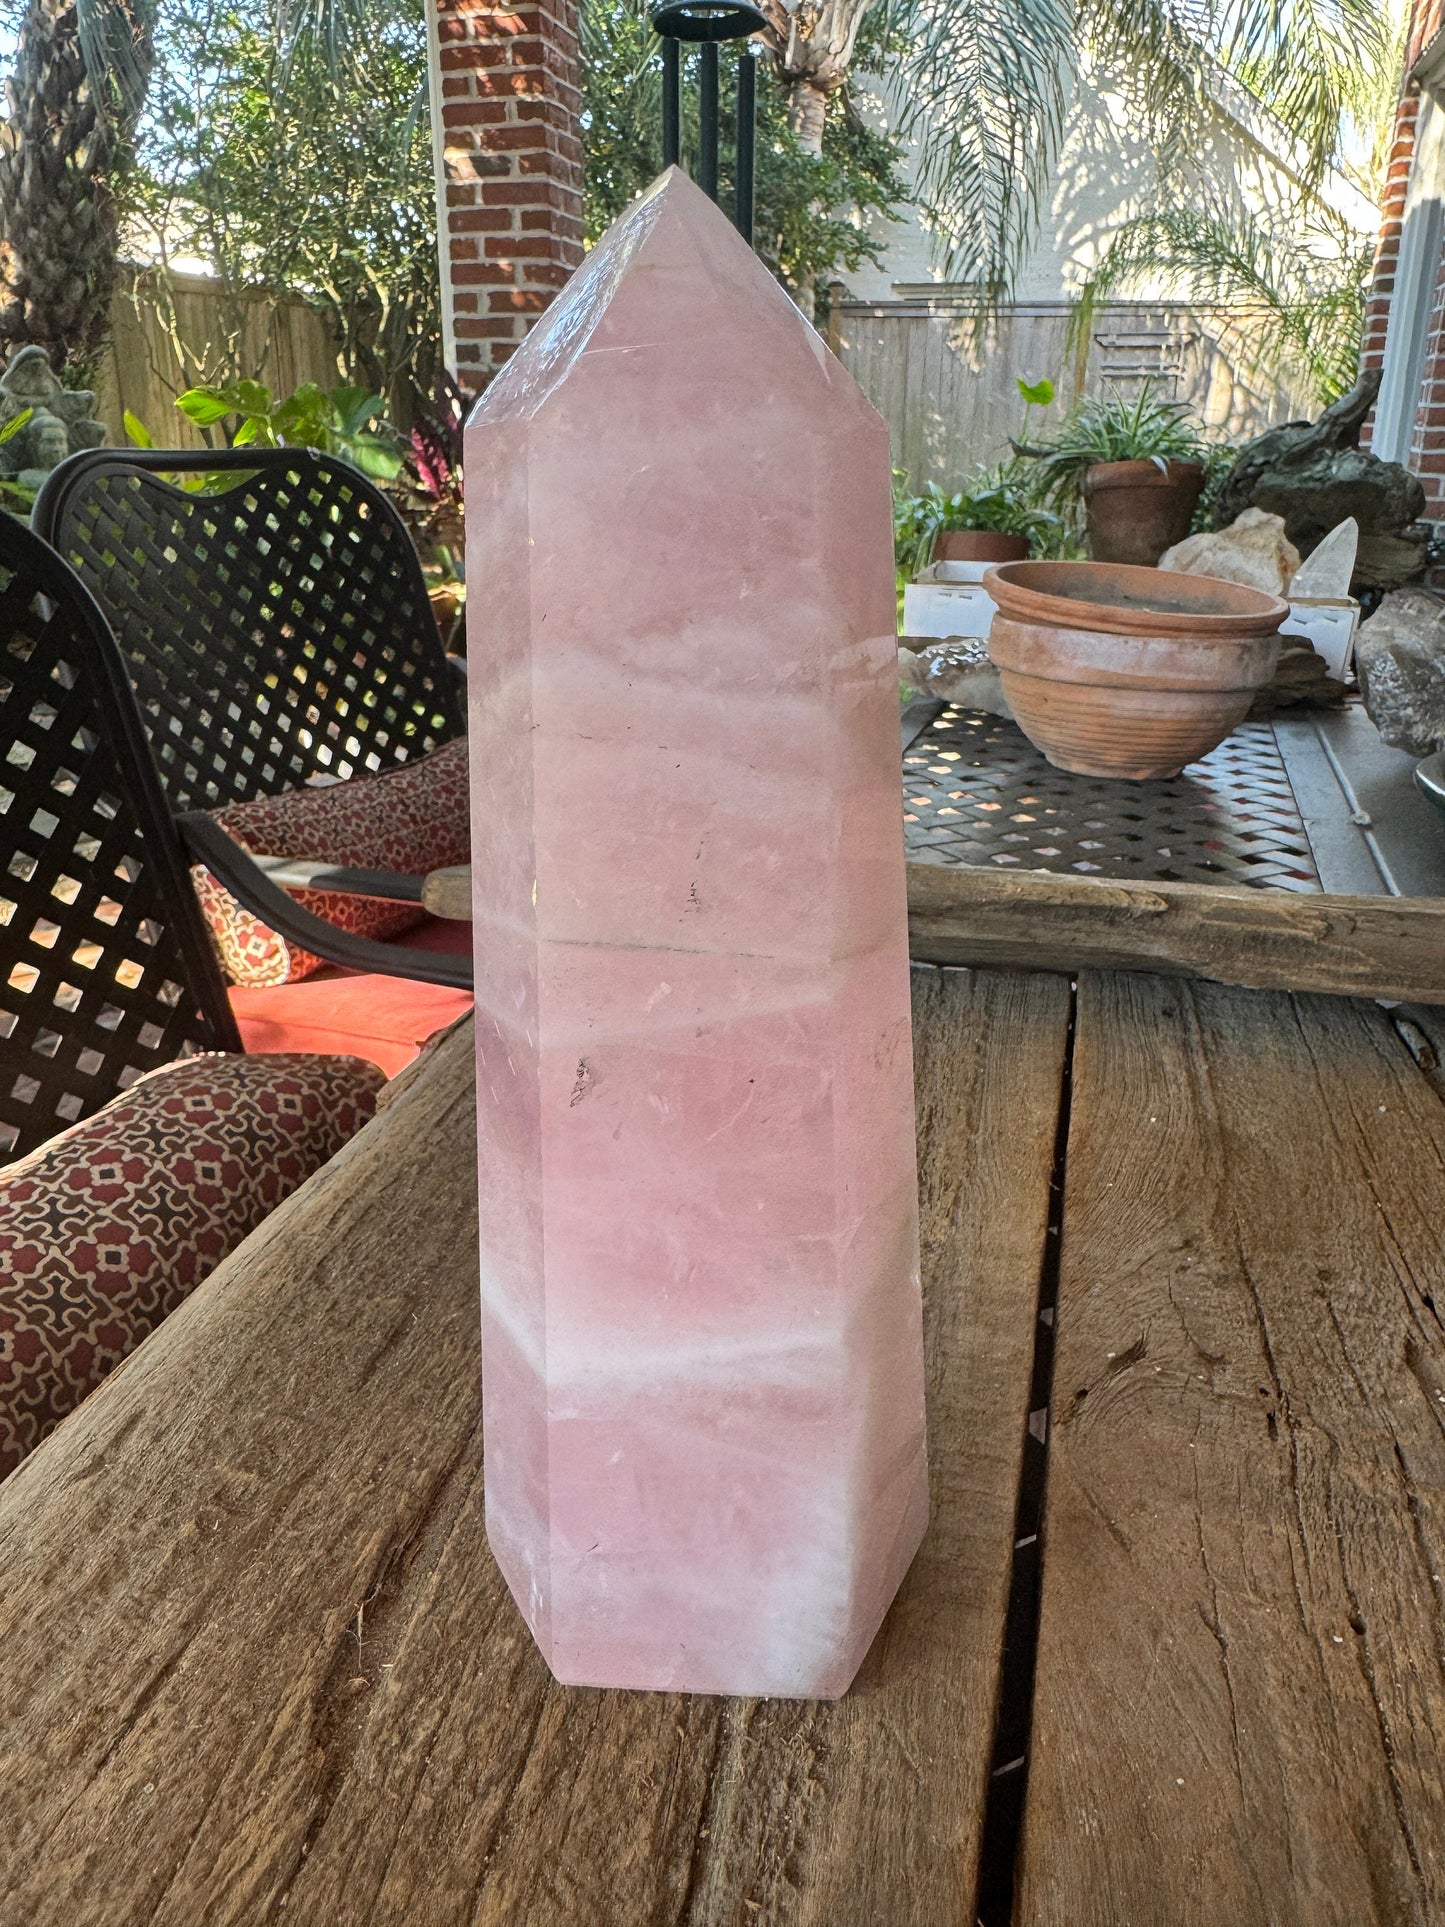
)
(1118, 671)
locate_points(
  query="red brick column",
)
(1392, 211)
(509, 158)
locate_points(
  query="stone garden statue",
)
(60, 422)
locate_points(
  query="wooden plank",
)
(1240, 1704)
(951, 404)
(1264, 939)
(256, 1663)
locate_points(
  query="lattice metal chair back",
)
(106, 970)
(274, 631)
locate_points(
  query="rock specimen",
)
(1316, 474)
(1400, 660)
(1254, 550)
(60, 421)
(701, 1319)
(1301, 680)
(957, 671)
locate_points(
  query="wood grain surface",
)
(256, 1663)
(1269, 939)
(1240, 1702)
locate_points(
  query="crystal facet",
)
(702, 1351)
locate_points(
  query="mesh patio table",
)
(1310, 801)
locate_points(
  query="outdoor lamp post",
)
(707, 22)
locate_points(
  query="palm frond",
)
(1155, 53)
(983, 88)
(1314, 63)
(116, 46)
(1303, 289)
(335, 33)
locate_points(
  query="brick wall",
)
(1427, 437)
(510, 191)
(1392, 209)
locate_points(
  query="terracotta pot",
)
(980, 545)
(1136, 510)
(1115, 671)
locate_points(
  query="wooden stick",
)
(1390, 947)
(448, 893)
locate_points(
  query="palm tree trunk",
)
(64, 147)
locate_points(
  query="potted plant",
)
(994, 518)
(1135, 467)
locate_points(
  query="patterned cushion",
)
(105, 1229)
(412, 819)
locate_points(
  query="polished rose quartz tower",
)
(701, 1335)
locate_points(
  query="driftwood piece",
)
(256, 1663)
(1390, 947)
(1240, 1708)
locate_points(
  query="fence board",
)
(947, 390)
(283, 343)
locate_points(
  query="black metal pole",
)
(671, 102)
(707, 118)
(746, 140)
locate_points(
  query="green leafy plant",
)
(16, 496)
(981, 92)
(1036, 394)
(1219, 459)
(289, 149)
(1001, 499)
(15, 424)
(1113, 428)
(346, 422)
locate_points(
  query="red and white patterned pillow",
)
(105, 1229)
(412, 819)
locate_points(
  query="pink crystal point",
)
(702, 1351)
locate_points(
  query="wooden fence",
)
(949, 397)
(170, 331)
(947, 393)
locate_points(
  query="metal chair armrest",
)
(299, 873)
(239, 872)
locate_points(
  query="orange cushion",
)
(384, 1019)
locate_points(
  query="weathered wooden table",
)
(257, 1665)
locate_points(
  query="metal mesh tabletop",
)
(977, 792)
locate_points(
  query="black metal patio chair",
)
(106, 967)
(275, 628)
